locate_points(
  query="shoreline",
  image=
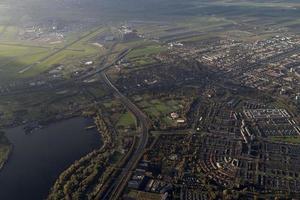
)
(45, 124)
(6, 159)
(66, 122)
(7, 146)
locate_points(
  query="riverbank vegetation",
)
(89, 177)
(5, 149)
(84, 179)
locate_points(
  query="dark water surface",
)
(38, 158)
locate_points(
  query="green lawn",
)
(287, 139)
(160, 109)
(146, 51)
(9, 32)
(127, 120)
(157, 107)
(141, 61)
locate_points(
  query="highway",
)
(119, 182)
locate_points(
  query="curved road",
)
(119, 182)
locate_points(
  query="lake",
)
(38, 158)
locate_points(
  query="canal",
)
(38, 158)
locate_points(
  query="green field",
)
(19, 59)
(160, 109)
(163, 107)
(286, 139)
(247, 3)
(146, 51)
(127, 120)
(135, 194)
(139, 62)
